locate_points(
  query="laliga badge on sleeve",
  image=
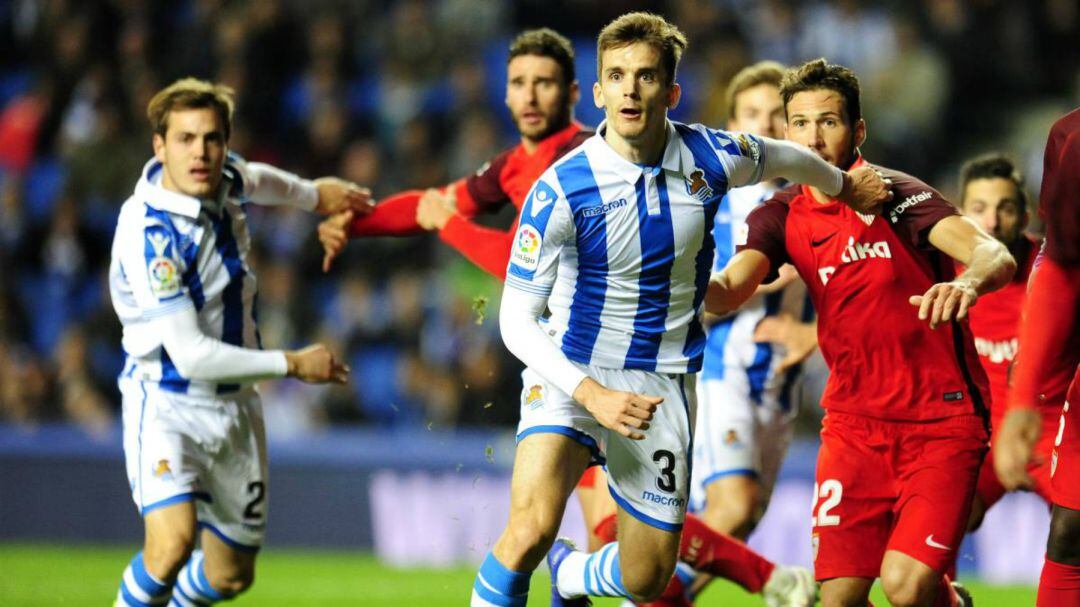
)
(163, 273)
(526, 251)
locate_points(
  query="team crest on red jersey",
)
(697, 187)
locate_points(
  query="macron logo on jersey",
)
(604, 209)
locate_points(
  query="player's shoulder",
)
(909, 192)
(772, 210)
(1067, 125)
(904, 183)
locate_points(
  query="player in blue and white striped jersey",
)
(194, 440)
(614, 239)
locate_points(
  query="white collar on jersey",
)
(676, 157)
(152, 193)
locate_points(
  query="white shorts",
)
(206, 449)
(648, 478)
(738, 436)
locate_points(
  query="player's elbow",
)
(718, 299)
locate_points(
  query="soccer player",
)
(905, 428)
(194, 439)
(1049, 349)
(615, 240)
(541, 91)
(992, 195)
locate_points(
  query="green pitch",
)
(33, 576)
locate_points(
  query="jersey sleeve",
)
(765, 231)
(154, 265)
(741, 155)
(546, 224)
(915, 209)
(484, 187)
(264, 184)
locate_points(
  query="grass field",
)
(33, 575)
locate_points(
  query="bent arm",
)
(731, 287)
(525, 339)
(989, 265)
(200, 357)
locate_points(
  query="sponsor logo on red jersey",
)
(857, 251)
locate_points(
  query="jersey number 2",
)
(259, 489)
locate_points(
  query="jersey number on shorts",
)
(259, 489)
(832, 491)
(666, 480)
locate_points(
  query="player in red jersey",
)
(992, 194)
(905, 427)
(541, 93)
(1048, 357)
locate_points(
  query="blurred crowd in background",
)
(409, 94)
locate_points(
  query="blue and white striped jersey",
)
(171, 250)
(624, 252)
(730, 346)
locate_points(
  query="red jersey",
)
(860, 270)
(995, 323)
(507, 178)
(1050, 336)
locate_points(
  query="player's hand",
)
(1013, 448)
(334, 235)
(799, 339)
(316, 365)
(435, 209)
(624, 412)
(865, 190)
(945, 301)
(337, 195)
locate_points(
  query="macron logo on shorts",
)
(663, 500)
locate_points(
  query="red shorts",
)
(904, 486)
(588, 479)
(989, 488)
(1065, 462)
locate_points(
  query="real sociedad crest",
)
(697, 187)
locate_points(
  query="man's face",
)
(633, 91)
(818, 120)
(996, 205)
(537, 96)
(192, 152)
(759, 110)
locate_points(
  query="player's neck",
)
(820, 197)
(647, 149)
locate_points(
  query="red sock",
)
(711, 552)
(946, 596)
(605, 529)
(674, 596)
(1059, 585)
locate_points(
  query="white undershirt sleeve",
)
(798, 164)
(525, 338)
(199, 357)
(270, 186)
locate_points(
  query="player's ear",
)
(598, 95)
(674, 95)
(159, 147)
(860, 133)
(574, 93)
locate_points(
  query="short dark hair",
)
(648, 28)
(819, 74)
(546, 42)
(991, 166)
(762, 72)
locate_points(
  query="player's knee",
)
(233, 581)
(164, 556)
(905, 588)
(646, 581)
(532, 536)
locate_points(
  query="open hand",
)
(337, 195)
(334, 235)
(944, 301)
